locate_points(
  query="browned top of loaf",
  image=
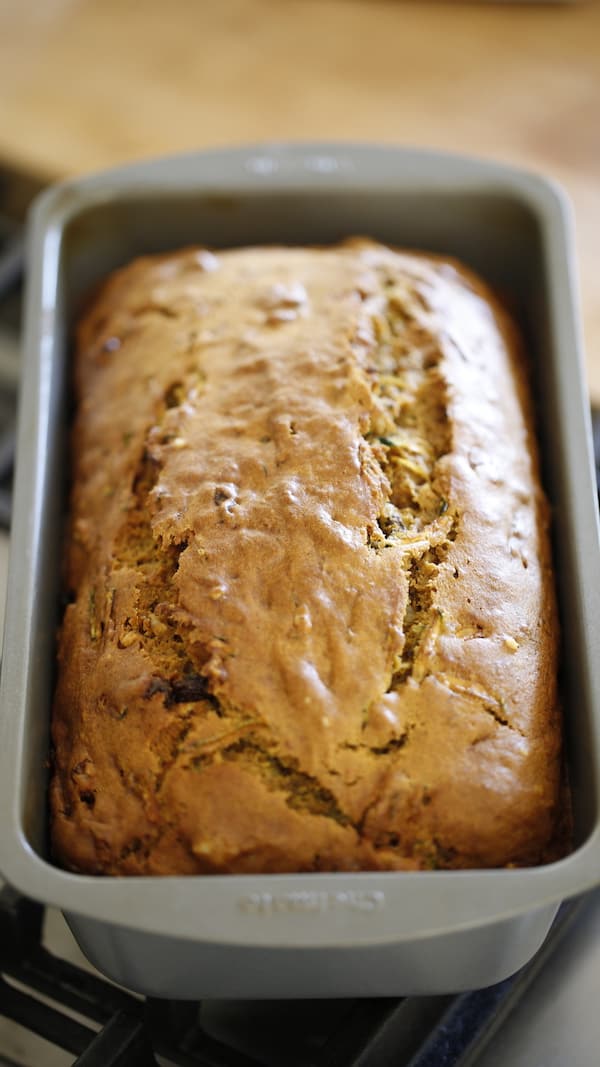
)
(312, 622)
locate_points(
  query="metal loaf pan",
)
(318, 934)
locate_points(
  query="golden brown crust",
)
(312, 621)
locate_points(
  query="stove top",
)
(101, 1025)
(80, 1018)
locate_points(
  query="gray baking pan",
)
(313, 934)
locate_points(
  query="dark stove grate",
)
(101, 1025)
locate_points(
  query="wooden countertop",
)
(85, 84)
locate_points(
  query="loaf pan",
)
(308, 935)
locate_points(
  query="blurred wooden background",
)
(89, 83)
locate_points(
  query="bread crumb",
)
(128, 638)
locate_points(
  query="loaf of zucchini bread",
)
(310, 620)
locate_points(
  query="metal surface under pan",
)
(309, 935)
